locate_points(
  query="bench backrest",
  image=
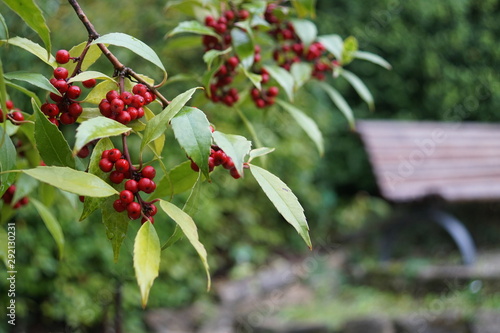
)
(413, 159)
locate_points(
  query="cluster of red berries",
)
(65, 110)
(290, 48)
(14, 114)
(218, 157)
(137, 181)
(222, 26)
(9, 195)
(126, 106)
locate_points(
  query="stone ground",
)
(250, 305)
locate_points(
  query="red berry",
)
(234, 173)
(49, 109)
(229, 15)
(116, 177)
(126, 196)
(148, 172)
(61, 73)
(152, 210)
(54, 121)
(132, 112)
(260, 103)
(105, 165)
(220, 28)
(105, 108)
(148, 97)
(228, 163)
(209, 21)
(119, 206)
(9, 104)
(61, 86)
(62, 56)
(67, 119)
(75, 109)
(146, 185)
(17, 116)
(273, 91)
(140, 112)
(132, 186)
(84, 152)
(149, 218)
(123, 117)
(126, 97)
(111, 95)
(137, 101)
(139, 89)
(243, 14)
(90, 83)
(134, 210)
(195, 167)
(122, 165)
(233, 62)
(117, 105)
(114, 154)
(105, 153)
(74, 92)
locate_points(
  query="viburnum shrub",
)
(103, 113)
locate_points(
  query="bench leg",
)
(452, 225)
(458, 232)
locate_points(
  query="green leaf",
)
(50, 142)
(305, 7)
(254, 78)
(301, 73)
(32, 48)
(307, 124)
(8, 156)
(74, 181)
(186, 223)
(116, 225)
(51, 224)
(372, 57)
(284, 79)
(284, 200)
(306, 30)
(36, 79)
(359, 86)
(33, 17)
(24, 91)
(4, 31)
(93, 53)
(340, 102)
(192, 131)
(182, 177)
(24, 186)
(235, 146)
(243, 46)
(92, 203)
(133, 44)
(350, 48)
(334, 44)
(83, 76)
(96, 128)
(157, 125)
(254, 153)
(98, 93)
(194, 27)
(147, 255)
(211, 55)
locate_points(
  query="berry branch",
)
(118, 66)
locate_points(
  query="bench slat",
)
(458, 161)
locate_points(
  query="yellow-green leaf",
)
(147, 254)
(52, 225)
(188, 227)
(74, 181)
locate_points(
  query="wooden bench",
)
(415, 160)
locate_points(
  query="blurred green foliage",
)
(443, 56)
